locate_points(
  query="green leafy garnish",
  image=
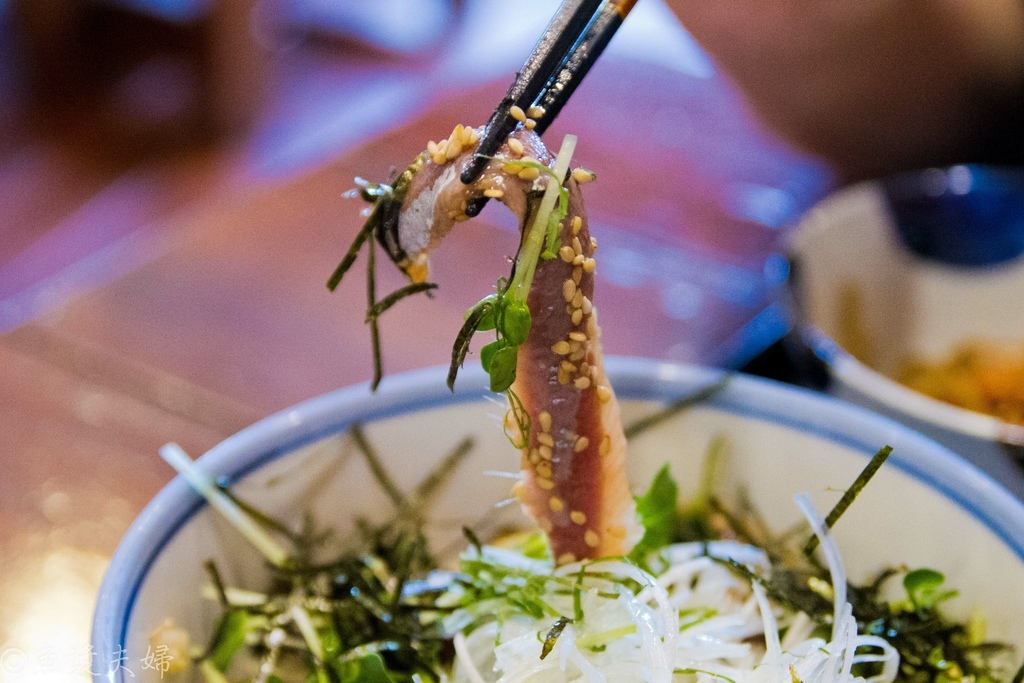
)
(506, 311)
(369, 669)
(552, 242)
(228, 638)
(658, 510)
(352, 620)
(924, 588)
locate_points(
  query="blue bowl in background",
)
(967, 215)
(928, 260)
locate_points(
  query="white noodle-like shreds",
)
(696, 615)
(832, 556)
(771, 626)
(465, 659)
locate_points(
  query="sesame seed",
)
(432, 148)
(472, 137)
(584, 368)
(578, 517)
(567, 366)
(587, 306)
(591, 538)
(556, 504)
(494, 193)
(530, 124)
(545, 420)
(576, 246)
(566, 254)
(466, 137)
(534, 455)
(577, 275)
(515, 146)
(568, 290)
(604, 394)
(577, 299)
(581, 443)
(438, 159)
(563, 376)
(511, 168)
(545, 438)
(582, 175)
(579, 259)
(544, 470)
(578, 336)
(535, 112)
(566, 558)
(582, 383)
(577, 316)
(618, 531)
(517, 113)
(546, 484)
(529, 174)
(561, 347)
(589, 265)
(577, 223)
(593, 243)
(453, 149)
(544, 452)
(606, 446)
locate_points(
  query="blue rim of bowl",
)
(633, 378)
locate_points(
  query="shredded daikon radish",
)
(695, 618)
(832, 557)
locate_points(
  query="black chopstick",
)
(551, 51)
(550, 75)
(583, 56)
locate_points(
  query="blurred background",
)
(171, 180)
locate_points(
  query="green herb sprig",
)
(506, 311)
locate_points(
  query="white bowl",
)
(926, 507)
(910, 307)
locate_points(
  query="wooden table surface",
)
(187, 302)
